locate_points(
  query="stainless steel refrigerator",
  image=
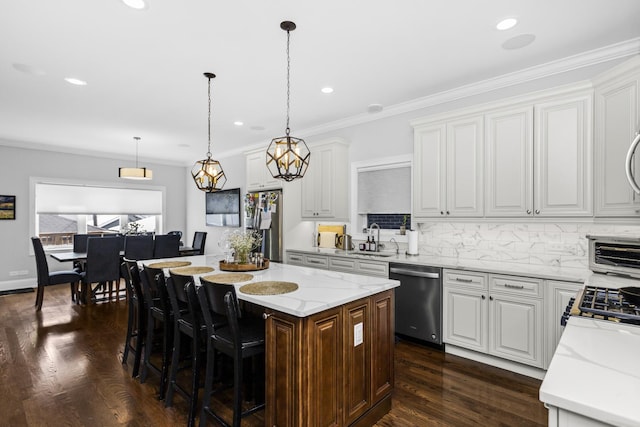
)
(263, 213)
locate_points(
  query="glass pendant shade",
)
(288, 158)
(208, 174)
(137, 172)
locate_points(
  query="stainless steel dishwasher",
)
(418, 301)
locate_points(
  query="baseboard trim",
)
(11, 285)
(498, 362)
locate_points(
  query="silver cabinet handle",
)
(458, 279)
(441, 212)
(507, 285)
(528, 211)
(537, 211)
(265, 316)
(483, 297)
(490, 298)
(447, 212)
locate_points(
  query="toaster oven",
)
(615, 255)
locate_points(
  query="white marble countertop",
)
(500, 267)
(318, 290)
(595, 371)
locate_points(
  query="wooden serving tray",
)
(232, 266)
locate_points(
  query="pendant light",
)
(137, 172)
(288, 156)
(208, 174)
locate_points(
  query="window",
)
(62, 210)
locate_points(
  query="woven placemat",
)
(227, 278)
(188, 271)
(269, 288)
(169, 264)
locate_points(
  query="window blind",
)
(78, 199)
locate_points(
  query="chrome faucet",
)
(397, 245)
(377, 241)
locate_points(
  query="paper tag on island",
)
(357, 334)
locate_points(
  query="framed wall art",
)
(7, 207)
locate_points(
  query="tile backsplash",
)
(561, 244)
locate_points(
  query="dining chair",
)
(159, 326)
(102, 267)
(45, 278)
(188, 323)
(177, 232)
(242, 338)
(166, 246)
(136, 323)
(138, 247)
(80, 243)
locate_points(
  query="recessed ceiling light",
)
(238, 123)
(183, 145)
(135, 4)
(74, 81)
(505, 24)
(327, 89)
(257, 128)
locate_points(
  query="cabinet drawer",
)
(316, 261)
(373, 268)
(515, 285)
(464, 278)
(342, 264)
(295, 259)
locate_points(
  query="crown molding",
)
(589, 58)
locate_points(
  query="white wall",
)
(17, 165)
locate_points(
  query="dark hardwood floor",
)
(61, 366)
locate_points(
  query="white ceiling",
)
(144, 68)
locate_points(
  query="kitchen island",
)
(329, 345)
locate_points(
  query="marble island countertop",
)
(318, 290)
(595, 372)
(485, 266)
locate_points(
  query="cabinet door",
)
(509, 162)
(429, 178)
(284, 389)
(357, 360)
(465, 154)
(465, 318)
(558, 296)
(324, 186)
(258, 176)
(617, 120)
(325, 374)
(515, 329)
(562, 162)
(383, 329)
(295, 258)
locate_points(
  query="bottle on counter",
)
(373, 245)
(368, 244)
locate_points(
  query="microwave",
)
(615, 255)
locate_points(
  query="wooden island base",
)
(333, 368)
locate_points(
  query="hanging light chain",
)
(137, 138)
(288, 81)
(209, 121)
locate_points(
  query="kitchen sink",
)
(372, 254)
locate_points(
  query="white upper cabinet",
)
(325, 184)
(617, 107)
(509, 162)
(538, 158)
(258, 176)
(562, 156)
(448, 170)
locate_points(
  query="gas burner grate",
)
(608, 304)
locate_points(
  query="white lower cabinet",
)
(347, 264)
(495, 314)
(556, 300)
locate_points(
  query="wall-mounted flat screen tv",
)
(223, 208)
